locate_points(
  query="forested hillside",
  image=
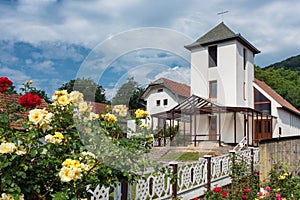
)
(292, 63)
(284, 78)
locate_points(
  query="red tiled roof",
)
(276, 96)
(6, 99)
(177, 88)
(98, 108)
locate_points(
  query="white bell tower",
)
(222, 68)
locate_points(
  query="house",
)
(162, 95)
(227, 104)
(8, 100)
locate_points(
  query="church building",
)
(226, 103)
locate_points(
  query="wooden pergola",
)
(195, 105)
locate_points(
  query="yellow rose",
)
(109, 118)
(7, 147)
(76, 97)
(144, 125)
(63, 100)
(66, 174)
(83, 107)
(58, 135)
(120, 110)
(35, 116)
(67, 162)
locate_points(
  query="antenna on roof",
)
(222, 13)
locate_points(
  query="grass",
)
(184, 156)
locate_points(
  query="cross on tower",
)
(222, 13)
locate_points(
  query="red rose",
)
(4, 84)
(244, 196)
(196, 198)
(29, 100)
(224, 194)
(217, 189)
(246, 190)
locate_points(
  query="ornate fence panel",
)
(192, 179)
(156, 185)
(220, 169)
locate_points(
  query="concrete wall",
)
(274, 151)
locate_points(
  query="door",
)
(263, 129)
(212, 127)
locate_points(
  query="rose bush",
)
(64, 147)
(281, 185)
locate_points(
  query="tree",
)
(129, 94)
(91, 90)
(284, 82)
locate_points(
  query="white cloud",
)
(16, 76)
(270, 25)
(44, 66)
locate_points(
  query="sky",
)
(54, 41)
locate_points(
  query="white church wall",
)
(199, 83)
(289, 124)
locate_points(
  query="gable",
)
(276, 97)
(176, 88)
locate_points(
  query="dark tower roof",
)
(221, 33)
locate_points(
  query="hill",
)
(284, 78)
(292, 63)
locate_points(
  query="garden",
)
(57, 150)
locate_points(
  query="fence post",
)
(124, 190)
(252, 159)
(208, 167)
(175, 181)
(159, 141)
(233, 179)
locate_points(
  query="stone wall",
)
(278, 150)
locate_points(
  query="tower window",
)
(245, 91)
(213, 89)
(212, 53)
(245, 58)
(157, 102)
(165, 102)
(160, 90)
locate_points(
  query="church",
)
(227, 104)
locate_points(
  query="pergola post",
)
(247, 128)
(195, 129)
(234, 124)
(219, 129)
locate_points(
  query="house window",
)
(261, 103)
(157, 102)
(160, 90)
(165, 102)
(212, 53)
(213, 89)
(245, 58)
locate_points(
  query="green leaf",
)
(60, 196)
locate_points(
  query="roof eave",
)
(290, 110)
(236, 37)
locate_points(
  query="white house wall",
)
(152, 108)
